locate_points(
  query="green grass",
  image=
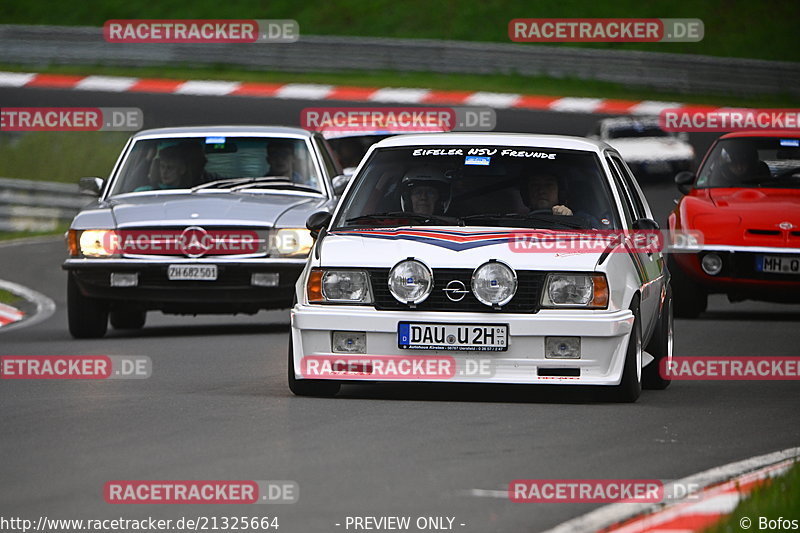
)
(59, 156)
(10, 235)
(8, 298)
(777, 499)
(734, 28)
(513, 83)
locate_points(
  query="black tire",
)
(660, 347)
(630, 387)
(689, 299)
(128, 319)
(87, 317)
(320, 388)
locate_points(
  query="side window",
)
(623, 192)
(331, 165)
(638, 205)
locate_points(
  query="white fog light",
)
(562, 347)
(494, 283)
(349, 342)
(410, 281)
(712, 264)
(124, 279)
(265, 279)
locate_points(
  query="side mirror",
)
(684, 181)
(340, 183)
(317, 222)
(645, 224)
(91, 186)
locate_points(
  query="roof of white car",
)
(629, 121)
(495, 139)
(199, 131)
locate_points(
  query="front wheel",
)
(87, 317)
(660, 347)
(309, 387)
(128, 319)
(630, 387)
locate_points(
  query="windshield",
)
(475, 185)
(194, 162)
(350, 150)
(752, 162)
(636, 130)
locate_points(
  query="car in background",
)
(419, 258)
(745, 203)
(350, 146)
(647, 149)
(197, 220)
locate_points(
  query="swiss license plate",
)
(778, 264)
(467, 337)
(192, 272)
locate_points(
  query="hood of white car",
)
(447, 247)
(652, 149)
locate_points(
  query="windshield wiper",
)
(550, 220)
(408, 215)
(282, 184)
(233, 182)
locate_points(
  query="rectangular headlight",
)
(338, 286)
(587, 291)
(291, 242)
(98, 243)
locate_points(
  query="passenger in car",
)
(280, 157)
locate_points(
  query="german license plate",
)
(467, 337)
(192, 272)
(778, 264)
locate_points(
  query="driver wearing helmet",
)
(739, 163)
(425, 190)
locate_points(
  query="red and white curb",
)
(720, 490)
(312, 91)
(9, 315)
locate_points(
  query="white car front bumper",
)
(604, 340)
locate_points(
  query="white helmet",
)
(429, 176)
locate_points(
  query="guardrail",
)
(38, 205)
(81, 45)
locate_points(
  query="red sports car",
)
(745, 201)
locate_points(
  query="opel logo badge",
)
(786, 225)
(195, 241)
(455, 290)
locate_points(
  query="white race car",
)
(646, 148)
(460, 257)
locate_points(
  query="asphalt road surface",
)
(217, 406)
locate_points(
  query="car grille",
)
(263, 239)
(526, 299)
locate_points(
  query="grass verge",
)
(733, 28)
(511, 83)
(11, 235)
(59, 156)
(8, 298)
(776, 500)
